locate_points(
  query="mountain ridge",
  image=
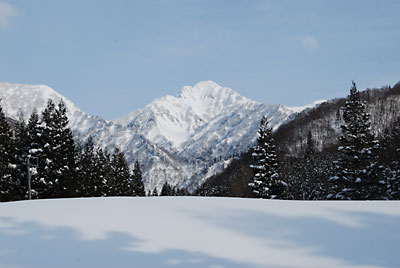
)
(182, 139)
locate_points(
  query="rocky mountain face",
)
(182, 140)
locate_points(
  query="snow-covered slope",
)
(18, 99)
(203, 128)
(182, 139)
(198, 232)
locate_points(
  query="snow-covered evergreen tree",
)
(303, 183)
(7, 183)
(357, 174)
(87, 177)
(57, 161)
(47, 178)
(393, 189)
(35, 151)
(266, 182)
(104, 171)
(137, 180)
(122, 178)
(65, 152)
(22, 144)
(391, 150)
(63, 149)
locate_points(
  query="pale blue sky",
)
(112, 57)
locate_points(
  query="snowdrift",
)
(198, 232)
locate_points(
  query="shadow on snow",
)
(30, 244)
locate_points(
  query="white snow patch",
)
(298, 109)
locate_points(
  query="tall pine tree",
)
(138, 185)
(104, 171)
(35, 151)
(266, 182)
(7, 184)
(122, 180)
(357, 176)
(57, 161)
(65, 152)
(21, 143)
(88, 185)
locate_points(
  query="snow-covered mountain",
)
(182, 139)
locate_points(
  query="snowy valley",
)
(182, 140)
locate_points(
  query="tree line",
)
(60, 166)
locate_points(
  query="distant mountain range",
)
(182, 140)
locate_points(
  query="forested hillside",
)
(319, 127)
(41, 159)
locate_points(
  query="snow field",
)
(198, 232)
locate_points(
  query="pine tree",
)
(155, 192)
(266, 182)
(80, 190)
(104, 171)
(302, 183)
(138, 185)
(122, 180)
(7, 184)
(47, 185)
(393, 191)
(22, 144)
(357, 174)
(57, 163)
(390, 151)
(87, 175)
(65, 153)
(35, 151)
(310, 187)
(166, 190)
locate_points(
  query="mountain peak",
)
(206, 89)
(28, 98)
(201, 89)
(207, 98)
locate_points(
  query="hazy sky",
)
(112, 57)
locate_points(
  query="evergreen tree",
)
(393, 191)
(167, 190)
(357, 174)
(57, 165)
(47, 185)
(155, 192)
(7, 184)
(64, 150)
(104, 171)
(80, 190)
(22, 144)
(138, 185)
(310, 188)
(122, 180)
(390, 153)
(35, 151)
(88, 175)
(266, 182)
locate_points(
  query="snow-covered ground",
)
(198, 232)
